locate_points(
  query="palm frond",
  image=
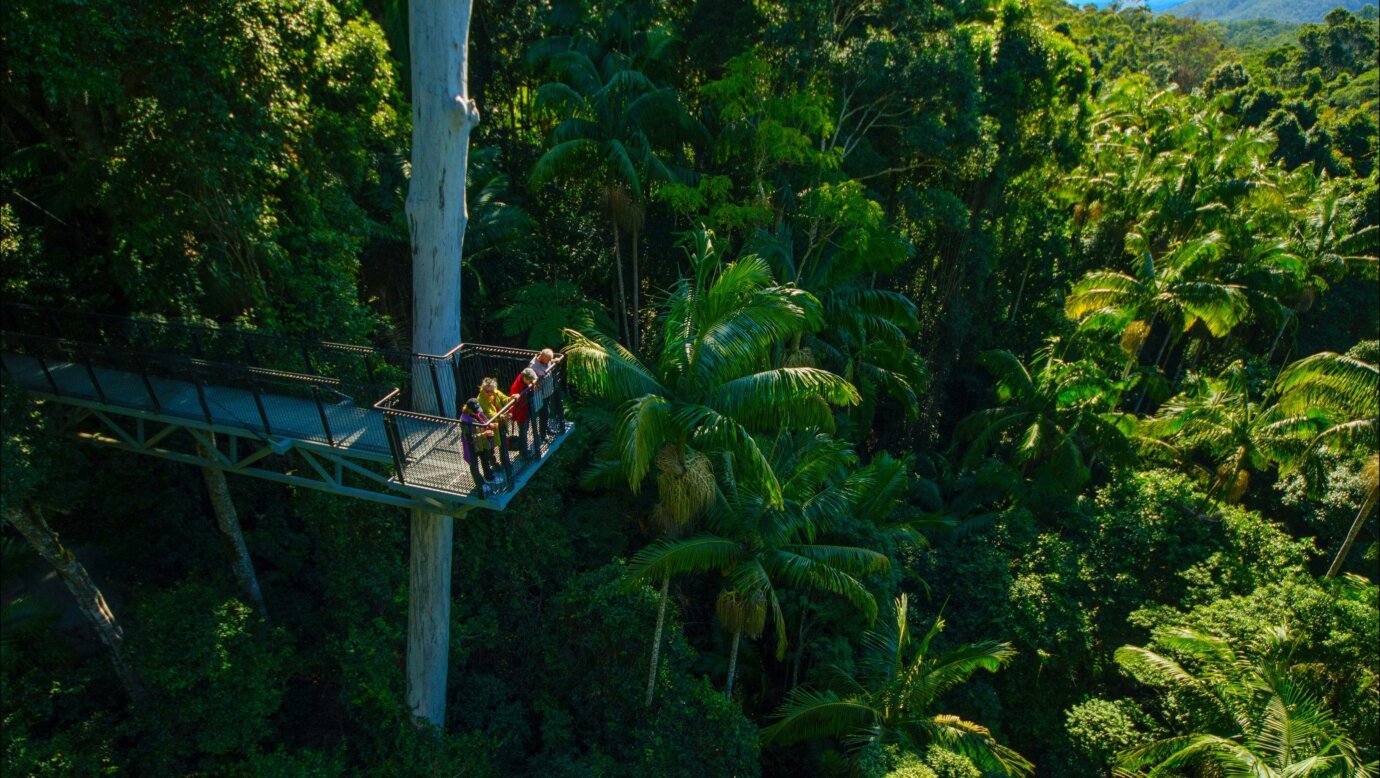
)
(808, 714)
(1220, 307)
(564, 160)
(644, 427)
(702, 553)
(1101, 290)
(1330, 382)
(600, 366)
(824, 567)
(975, 742)
(784, 398)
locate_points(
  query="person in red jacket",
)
(527, 403)
(526, 395)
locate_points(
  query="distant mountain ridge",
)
(1301, 11)
(1296, 11)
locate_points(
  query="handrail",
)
(265, 365)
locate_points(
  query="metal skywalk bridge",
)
(340, 418)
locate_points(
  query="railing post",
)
(558, 397)
(259, 403)
(306, 358)
(201, 397)
(91, 373)
(148, 385)
(390, 431)
(501, 440)
(43, 363)
(467, 436)
(321, 409)
(436, 387)
(455, 371)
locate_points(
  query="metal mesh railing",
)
(322, 392)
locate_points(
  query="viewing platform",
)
(362, 422)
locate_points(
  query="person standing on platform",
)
(541, 364)
(527, 408)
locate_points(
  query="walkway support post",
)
(442, 116)
(228, 521)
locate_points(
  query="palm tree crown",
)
(758, 544)
(1267, 722)
(710, 383)
(892, 697)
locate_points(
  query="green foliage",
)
(1274, 714)
(594, 722)
(215, 670)
(544, 310)
(1099, 729)
(1178, 219)
(1332, 625)
(712, 383)
(225, 161)
(893, 696)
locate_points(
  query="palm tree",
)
(709, 388)
(711, 385)
(866, 332)
(1330, 402)
(1179, 292)
(1047, 416)
(615, 128)
(1218, 417)
(893, 696)
(760, 543)
(1265, 720)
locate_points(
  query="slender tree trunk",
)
(656, 639)
(1020, 291)
(442, 117)
(34, 527)
(800, 648)
(228, 520)
(1340, 559)
(1275, 343)
(636, 283)
(1140, 401)
(732, 666)
(622, 292)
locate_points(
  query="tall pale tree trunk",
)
(228, 520)
(442, 116)
(656, 639)
(34, 527)
(1340, 559)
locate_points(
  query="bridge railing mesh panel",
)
(326, 393)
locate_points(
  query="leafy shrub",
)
(215, 672)
(1098, 729)
(594, 719)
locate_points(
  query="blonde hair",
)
(529, 375)
(489, 383)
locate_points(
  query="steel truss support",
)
(296, 463)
